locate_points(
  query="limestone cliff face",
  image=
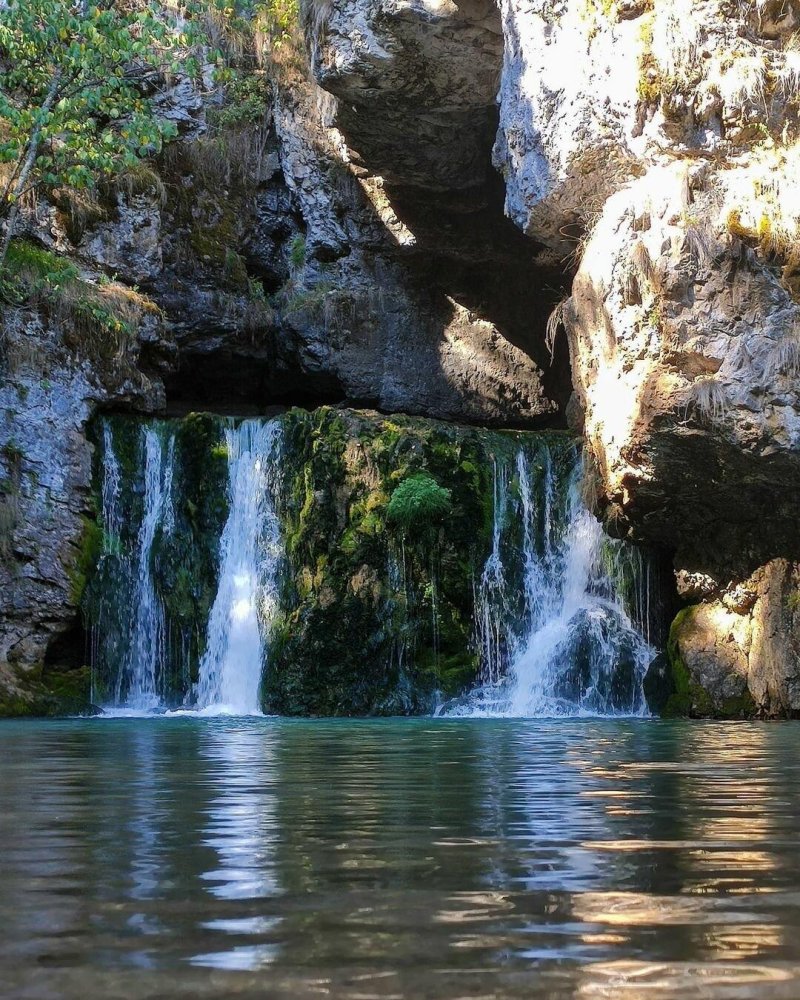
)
(352, 246)
(51, 386)
(664, 135)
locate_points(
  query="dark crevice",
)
(225, 381)
(69, 650)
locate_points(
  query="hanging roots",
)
(706, 398)
(558, 318)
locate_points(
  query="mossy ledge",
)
(378, 608)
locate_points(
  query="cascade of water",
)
(141, 667)
(490, 599)
(250, 557)
(577, 646)
(112, 517)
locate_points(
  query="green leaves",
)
(72, 97)
(419, 502)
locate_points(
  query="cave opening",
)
(68, 650)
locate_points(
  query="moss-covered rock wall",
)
(388, 523)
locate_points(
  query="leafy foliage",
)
(419, 501)
(72, 94)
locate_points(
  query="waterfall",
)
(189, 578)
(250, 556)
(137, 684)
(110, 492)
(564, 639)
(490, 610)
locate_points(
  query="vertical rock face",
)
(48, 536)
(568, 114)
(664, 135)
(415, 87)
(683, 344)
(395, 326)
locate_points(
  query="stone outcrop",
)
(656, 143)
(738, 653)
(414, 87)
(684, 346)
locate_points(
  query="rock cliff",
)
(664, 154)
(394, 227)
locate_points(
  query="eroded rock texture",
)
(52, 384)
(657, 142)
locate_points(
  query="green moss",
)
(55, 693)
(686, 694)
(90, 547)
(69, 689)
(297, 252)
(26, 262)
(418, 502)
(689, 698)
(740, 707)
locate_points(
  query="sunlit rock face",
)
(655, 146)
(684, 346)
(568, 114)
(667, 135)
(593, 94)
(738, 654)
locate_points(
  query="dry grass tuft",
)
(558, 319)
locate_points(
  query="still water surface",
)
(413, 859)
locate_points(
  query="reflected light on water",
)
(188, 857)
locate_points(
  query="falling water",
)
(250, 556)
(110, 493)
(490, 604)
(575, 646)
(142, 665)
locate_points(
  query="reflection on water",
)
(399, 859)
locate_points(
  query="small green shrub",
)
(418, 502)
(297, 252)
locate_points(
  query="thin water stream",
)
(250, 553)
(399, 859)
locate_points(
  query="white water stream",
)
(250, 556)
(577, 650)
(137, 685)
